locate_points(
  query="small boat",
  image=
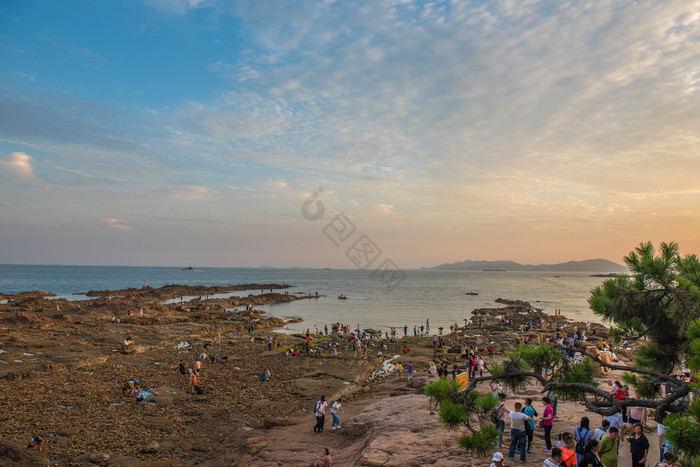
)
(342, 297)
(471, 293)
(188, 268)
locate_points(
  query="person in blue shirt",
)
(530, 411)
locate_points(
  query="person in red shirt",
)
(620, 394)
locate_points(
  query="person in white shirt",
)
(598, 433)
(617, 422)
(334, 413)
(320, 412)
(517, 431)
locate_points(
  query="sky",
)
(280, 133)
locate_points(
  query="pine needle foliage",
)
(481, 442)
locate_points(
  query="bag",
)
(494, 416)
(198, 390)
(541, 424)
(581, 443)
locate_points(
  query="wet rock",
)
(93, 458)
(151, 448)
(157, 423)
(278, 421)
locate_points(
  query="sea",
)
(420, 295)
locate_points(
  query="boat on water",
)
(188, 268)
(471, 293)
(342, 297)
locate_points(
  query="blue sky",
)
(169, 132)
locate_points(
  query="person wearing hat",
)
(497, 460)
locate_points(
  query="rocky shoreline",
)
(61, 366)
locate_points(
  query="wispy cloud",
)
(475, 116)
(177, 6)
(192, 193)
(117, 224)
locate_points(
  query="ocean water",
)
(435, 295)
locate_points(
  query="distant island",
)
(589, 265)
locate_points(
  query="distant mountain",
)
(589, 265)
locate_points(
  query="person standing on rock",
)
(320, 412)
(501, 412)
(409, 370)
(517, 431)
(609, 448)
(337, 406)
(193, 380)
(548, 423)
(530, 411)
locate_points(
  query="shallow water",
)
(435, 295)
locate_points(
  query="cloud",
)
(60, 124)
(80, 172)
(30, 76)
(177, 6)
(18, 165)
(192, 193)
(116, 224)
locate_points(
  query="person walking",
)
(639, 446)
(337, 406)
(320, 412)
(547, 423)
(517, 431)
(501, 413)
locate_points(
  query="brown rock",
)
(14, 455)
(157, 423)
